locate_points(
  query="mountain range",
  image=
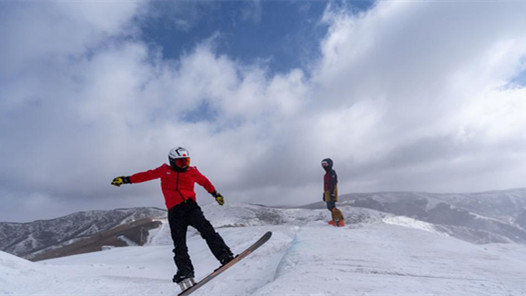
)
(480, 218)
(486, 217)
(79, 232)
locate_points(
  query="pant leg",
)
(214, 241)
(177, 217)
(331, 205)
(337, 214)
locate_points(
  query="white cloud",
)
(36, 32)
(407, 96)
(430, 62)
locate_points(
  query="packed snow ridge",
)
(375, 254)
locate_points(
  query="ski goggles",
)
(324, 164)
(182, 162)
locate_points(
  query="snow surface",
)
(411, 223)
(388, 256)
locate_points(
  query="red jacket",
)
(176, 186)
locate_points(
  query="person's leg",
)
(215, 242)
(178, 227)
(331, 206)
(338, 216)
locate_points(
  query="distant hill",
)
(79, 232)
(486, 217)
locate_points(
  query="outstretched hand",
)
(219, 198)
(118, 181)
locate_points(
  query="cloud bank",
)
(405, 96)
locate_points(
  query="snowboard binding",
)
(186, 283)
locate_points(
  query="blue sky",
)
(402, 95)
(278, 34)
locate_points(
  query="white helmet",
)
(179, 158)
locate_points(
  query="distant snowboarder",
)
(330, 192)
(177, 184)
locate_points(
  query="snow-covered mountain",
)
(79, 232)
(497, 216)
(382, 255)
(488, 217)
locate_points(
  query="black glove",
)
(118, 181)
(219, 198)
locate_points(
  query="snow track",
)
(259, 268)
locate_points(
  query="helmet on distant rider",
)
(179, 159)
(327, 164)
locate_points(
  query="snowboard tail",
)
(221, 269)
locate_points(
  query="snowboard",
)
(220, 270)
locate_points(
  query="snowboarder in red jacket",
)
(330, 192)
(177, 184)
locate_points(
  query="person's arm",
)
(138, 177)
(146, 175)
(207, 185)
(203, 181)
(334, 181)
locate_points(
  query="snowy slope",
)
(394, 260)
(32, 240)
(382, 255)
(486, 217)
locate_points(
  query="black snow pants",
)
(187, 214)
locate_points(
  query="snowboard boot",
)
(333, 216)
(337, 223)
(224, 260)
(184, 281)
(337, 217)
